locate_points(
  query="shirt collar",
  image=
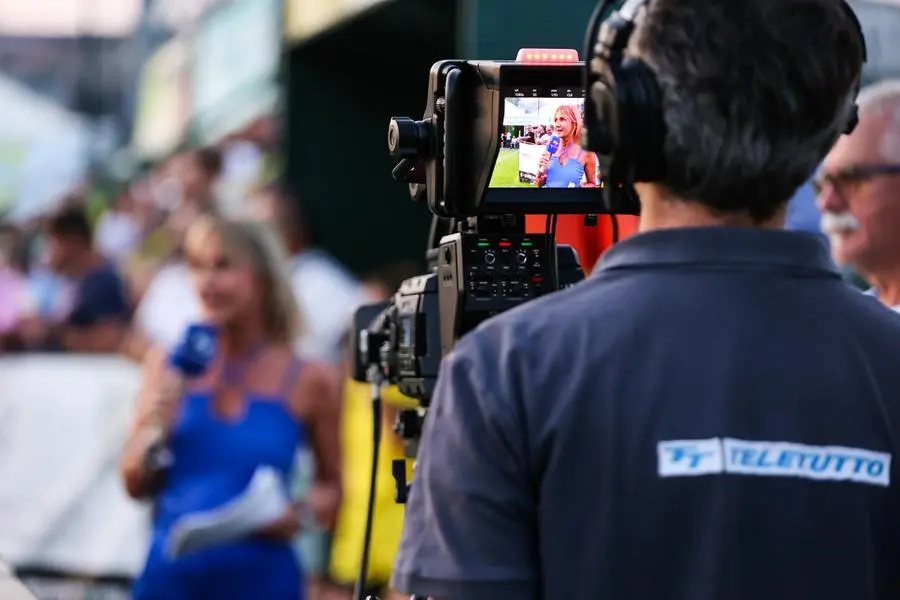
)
(874, 293)
(732, 247)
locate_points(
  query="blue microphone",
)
(553, 145)
(193, 355)
(190, 359)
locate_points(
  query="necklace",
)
(233, 370)
(563, 153)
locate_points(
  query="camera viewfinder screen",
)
(540, 141)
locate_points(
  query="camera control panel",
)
(482, 275)
(511, 267)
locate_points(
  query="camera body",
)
(477, 276)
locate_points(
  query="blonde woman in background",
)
(255, 406)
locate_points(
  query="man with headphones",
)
(713, 414)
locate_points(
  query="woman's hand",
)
(284, 529)
(163, 401)
(158, 404)
(544, 164)
(324, 501)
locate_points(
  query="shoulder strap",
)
(290, 377)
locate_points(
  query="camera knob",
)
(408, 138)
(490, 258)
(522, 258)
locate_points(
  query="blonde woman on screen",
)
(570, 165)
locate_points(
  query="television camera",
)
(479, 157)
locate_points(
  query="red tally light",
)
(546, 56)
(505, 244)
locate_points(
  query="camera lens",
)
(393, 136)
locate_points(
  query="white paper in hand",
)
(261, 503)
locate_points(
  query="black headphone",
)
(623, 112)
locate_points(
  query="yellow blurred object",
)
(304, 19)
(157, 245)
(391, 396)
(356, 444)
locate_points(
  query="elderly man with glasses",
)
(859, 193)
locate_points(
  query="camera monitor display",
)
(540, 141)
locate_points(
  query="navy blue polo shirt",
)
(712, 415)
(99, 296)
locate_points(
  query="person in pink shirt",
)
(14, 290)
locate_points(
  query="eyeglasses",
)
(848, 180)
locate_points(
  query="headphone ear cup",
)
(603, 129)
(626, 134)
(644, 122)
(852, 120)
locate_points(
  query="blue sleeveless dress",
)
(560, 176)
(214, 461)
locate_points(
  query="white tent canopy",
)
(545, 108)
(44, 150)
(27, 114)
(67, 18)
(514, 116)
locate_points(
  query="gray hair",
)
(882, 99)
(753, 95)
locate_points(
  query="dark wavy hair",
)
(755, 93)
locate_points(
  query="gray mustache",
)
(833, 222)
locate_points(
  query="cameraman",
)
(711, 415)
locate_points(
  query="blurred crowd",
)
(75, 280)
(114, 279)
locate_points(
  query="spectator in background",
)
(528, 137)
(803, 214)
(51, 292)
(119, 231)
(197, 172)
(544, 135)
(859, 193)
(170, 303)
(99, 314)
(14, 295)
(326, 292)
